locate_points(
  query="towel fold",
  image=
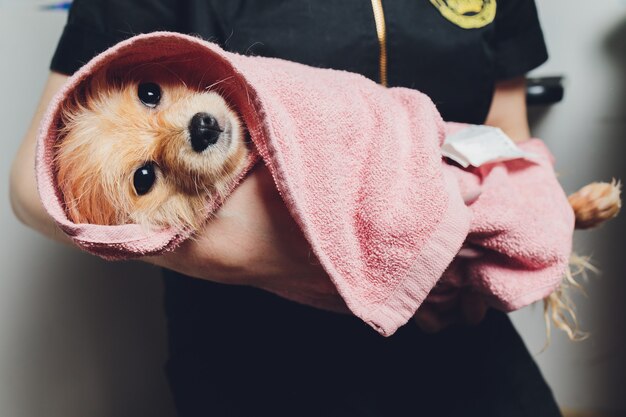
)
(360, 169)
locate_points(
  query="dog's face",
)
(147, 150)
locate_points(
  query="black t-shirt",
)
(237, 351)
(427, 47)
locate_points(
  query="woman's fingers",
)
(432, 320)
(465, 308)
(473, 308)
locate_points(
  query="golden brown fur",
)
(108, 133)
(593, 205)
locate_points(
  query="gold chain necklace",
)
(379, 18)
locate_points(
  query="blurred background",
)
(80, 336)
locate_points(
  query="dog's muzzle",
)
(203, 131)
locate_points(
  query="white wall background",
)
(79, 336)
(587, 133)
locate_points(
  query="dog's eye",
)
(144, 178)
(149, 94)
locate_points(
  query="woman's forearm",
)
(508, 109)
(23, 186)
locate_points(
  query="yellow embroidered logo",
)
(468, 14)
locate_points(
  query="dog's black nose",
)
(203, 131)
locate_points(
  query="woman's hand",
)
(253, 240)
(508, 112)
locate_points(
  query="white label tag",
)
(477, 145)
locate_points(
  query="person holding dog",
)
(238, 350)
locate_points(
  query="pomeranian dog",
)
(147, 150)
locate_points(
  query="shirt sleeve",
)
(519, 42)
(95, 25)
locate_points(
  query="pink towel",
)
(360, 169)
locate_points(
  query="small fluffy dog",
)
(148, 148)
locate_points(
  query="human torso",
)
(425, 49)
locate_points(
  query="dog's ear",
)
(98, 83)
(80, 98)
(73, 104)
(114, 79)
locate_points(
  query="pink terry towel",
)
(360, 169)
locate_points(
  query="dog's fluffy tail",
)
(593, 205)
(558, 307)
